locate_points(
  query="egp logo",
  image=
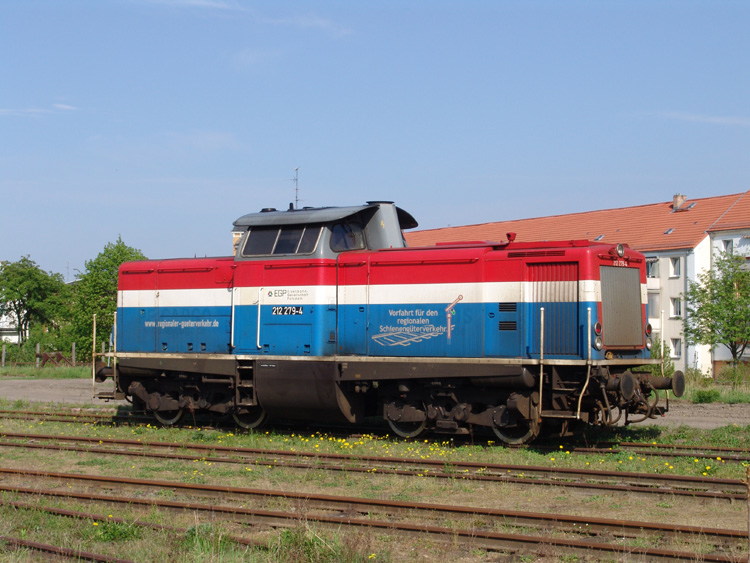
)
(277, 292)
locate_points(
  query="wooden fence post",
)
(73, 354)
(3, 364)
(38, 351)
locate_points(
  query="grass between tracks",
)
(304, 541)
(47, 372)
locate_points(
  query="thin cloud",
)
(732, 121)
(24, 112)
(36, 112)
(311, 21)
(301, 21)
(210, 4)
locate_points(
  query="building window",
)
(676, 347)
(652, 267)
(676, 307)
(654, 305)
(728, 245)
(674, 266)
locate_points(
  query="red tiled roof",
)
(644, 227)
(736, 217)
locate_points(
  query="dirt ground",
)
(75, 391)
(81, 392)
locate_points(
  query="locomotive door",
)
(352, 298)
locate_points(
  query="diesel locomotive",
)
(325, 314)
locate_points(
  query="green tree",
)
(96, 293)
(718, 306)
(30, 296)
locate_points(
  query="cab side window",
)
(347, 236)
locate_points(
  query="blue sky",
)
(162, 121)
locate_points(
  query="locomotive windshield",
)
(288, 239)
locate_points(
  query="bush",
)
(706, 396)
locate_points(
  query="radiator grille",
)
(554, 286)
(621, 306)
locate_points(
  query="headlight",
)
(620, 250)
(649, 344)
(598, 342)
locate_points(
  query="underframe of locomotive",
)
(412, 399)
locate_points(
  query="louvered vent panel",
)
(553, 286)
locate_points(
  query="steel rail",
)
(685, 485)
(474, 536)
(137, 522)
(70, 416)
(692, 451)
(587, 524)
(61, 551)
(626, 488)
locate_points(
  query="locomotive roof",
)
(309, 215)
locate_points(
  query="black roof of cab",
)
(311, 215)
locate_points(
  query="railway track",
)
(590, 479)
(59, 551)
(477, 527)
(741, 455)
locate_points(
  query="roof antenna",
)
(296, 188)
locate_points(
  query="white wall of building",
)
(669, 272)
(700, 357)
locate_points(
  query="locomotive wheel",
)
(169, 418)
(251, 419)
(524, 431)
(407, 429)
